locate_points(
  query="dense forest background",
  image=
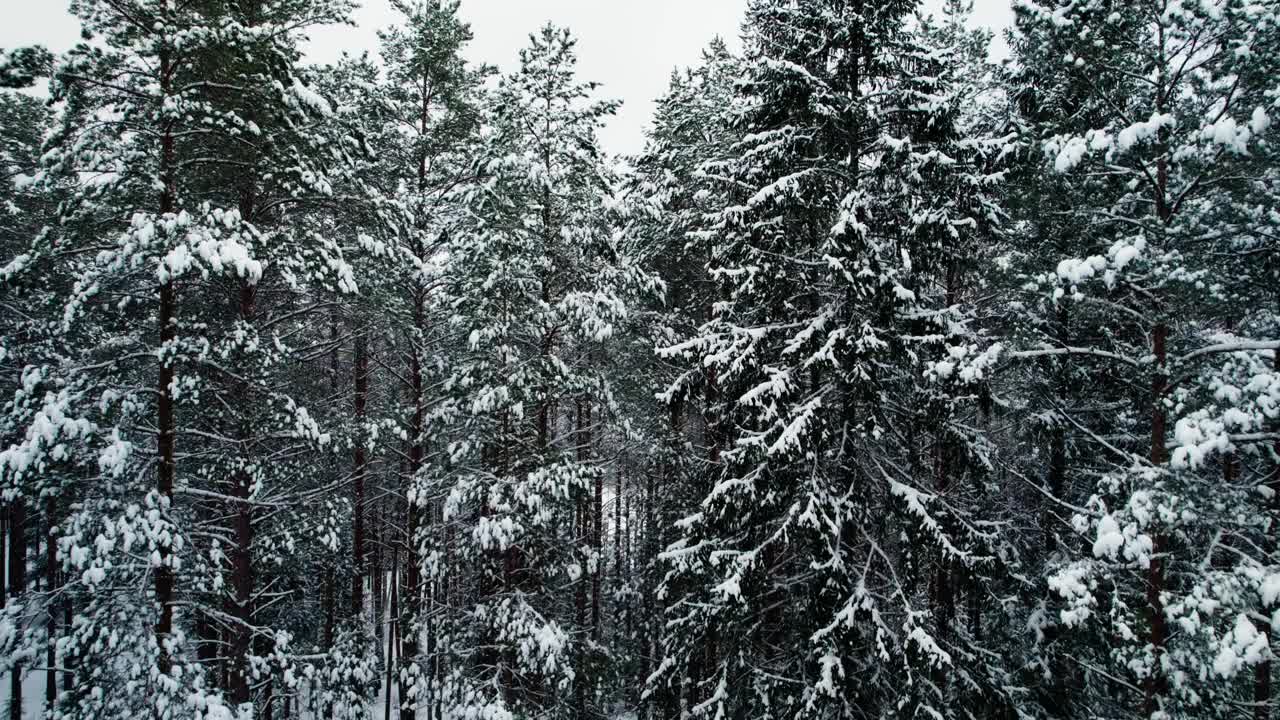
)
(887, 382)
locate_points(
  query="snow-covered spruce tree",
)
(184, 128)
(537, 285)
(667, 197)
(940, 202)
(1159, 142)
(813, 579)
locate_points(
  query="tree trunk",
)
(207, 643)
(68, 660)
(17, 586)
(1155, 683)
(619, 489)
(357, 520)
(944, 597)
(412, 579)
(378, 573)
(51, 585)
(391, 638)
(242, 578)
(330, 589)
(330, 603)
(597, 538)
(269, 701)
(165, 426)
(580, 593)
(6, 511)
(409, 628)
(1262, 672)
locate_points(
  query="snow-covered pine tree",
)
(184, 132)
(1155, 135)
(538, 286)
(420, 122)
(26, 512)
(130, 180)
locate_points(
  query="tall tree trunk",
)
(242, 574)
(330, 579)
(166, 322)
(581, 531)
(597, 535)
(1154, 688)
(1262, 671)
(412, 600)
(627, 559)
(330, 603)
(392, 616)
(207, 644)
(378, 572)
(51, 585)
(269, 700)
(6, 512)
(17, 587)
(410, 672)
(619, 487)
(68, 659)
(944, 596)
(357, 520)
(1058, 442)
(1155, 684)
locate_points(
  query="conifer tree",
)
(539, 287)
(849, 189)
(1150, 133)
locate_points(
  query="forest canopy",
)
(887, 381)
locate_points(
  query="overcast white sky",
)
(628, 46)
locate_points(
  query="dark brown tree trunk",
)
(6, 513)
(650, 625)
(944, 596)
(377, 574)
(1154, 687)
(1157, 632)
(17, 587)
(580, 588)
(330, 580)
(619, 489)
(68, 660)
(975, 606)
(627, 560)
(417, 454)
(596, 523)
(1057, 475)
(165, 425)
(357, 520)
(207, 644)
(269, 701)
(242, 576)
